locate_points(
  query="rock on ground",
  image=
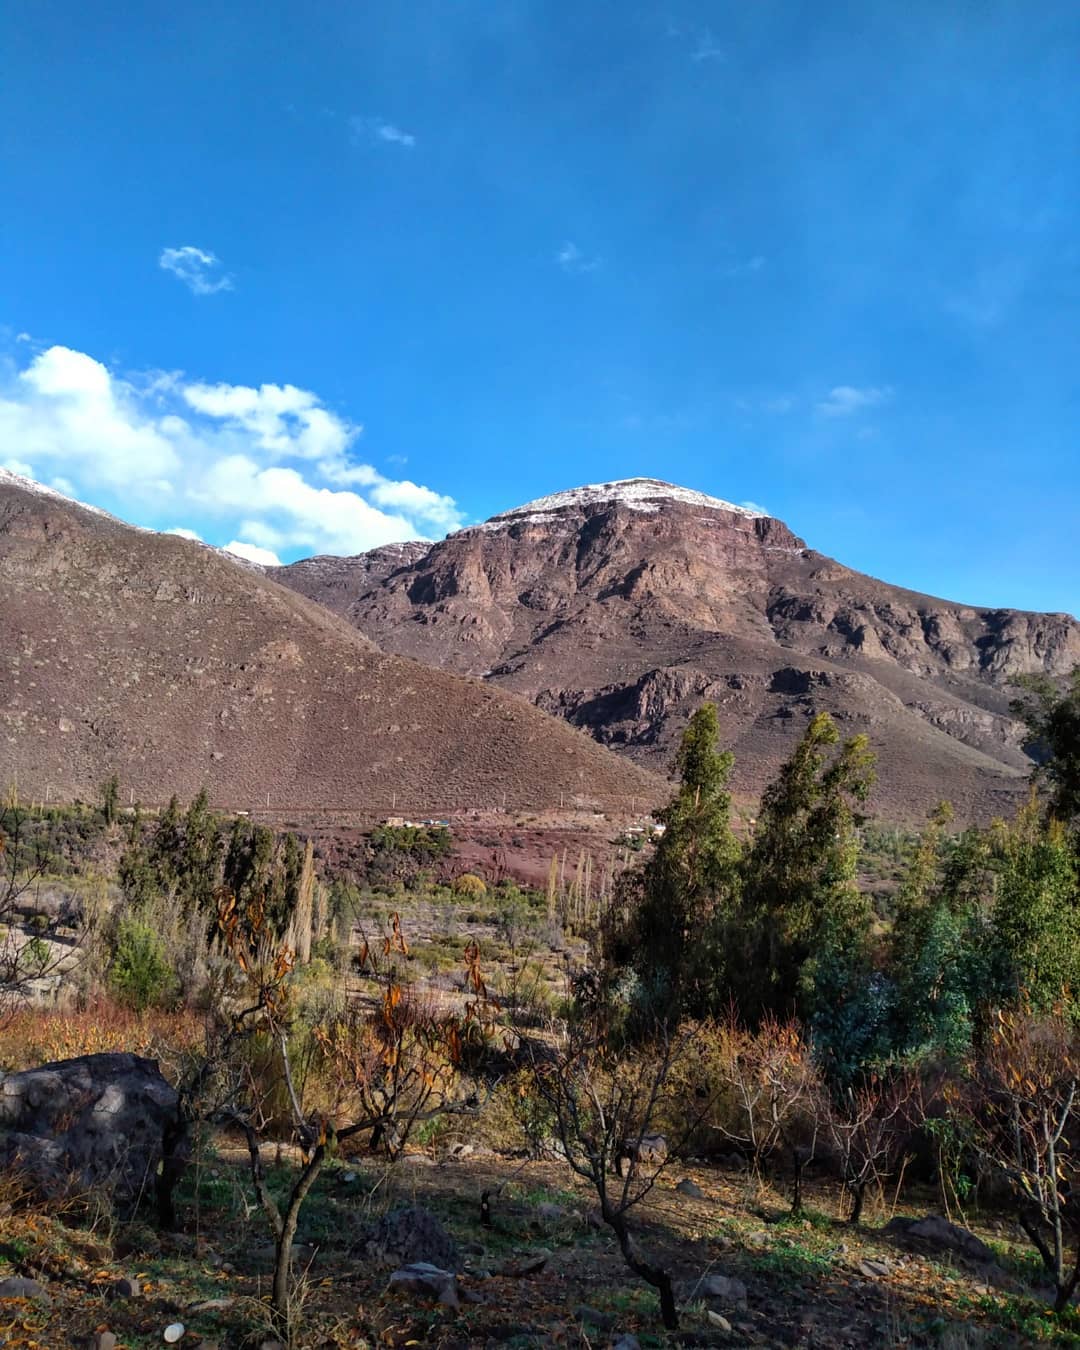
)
(721, 1288)
(18, 1286)
(939, 1232)
(410, 1235)
(427, 1281)
(103, 1123)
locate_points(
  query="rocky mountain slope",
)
(175, 666)
(622, 606)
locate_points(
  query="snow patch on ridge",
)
(10, 479)
(646, 495)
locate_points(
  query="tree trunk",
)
(173, 1162)
(283, 1249)
(858, 1193)
(796, 1189)
(659, 1279)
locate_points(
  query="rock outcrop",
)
(100, 1124)
(620, 608)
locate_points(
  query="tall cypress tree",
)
(690, 880)
(801, 903)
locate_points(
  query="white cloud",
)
(184, 533)
(375, 129)
(571, 259)
(269, 465)
(18, 466)
(281, 418)
(197, 268)
(433, 508)
(755, 506)
(66, 411)
(844, 399)
(265, 557)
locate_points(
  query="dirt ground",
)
(546, 1274)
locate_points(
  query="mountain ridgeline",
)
(176, 666)
(621, 607)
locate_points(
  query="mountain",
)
(622, 606)
(177, 666)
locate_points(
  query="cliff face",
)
(178, 667)
(622, 607)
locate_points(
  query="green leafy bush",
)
(140, 974)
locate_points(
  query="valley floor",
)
(544, 1275)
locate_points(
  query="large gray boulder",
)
(105, 1124)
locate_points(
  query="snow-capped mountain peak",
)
(637, 494)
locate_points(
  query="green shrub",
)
(36, 956)
(140, 974)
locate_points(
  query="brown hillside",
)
(175, 667)
(622, 607)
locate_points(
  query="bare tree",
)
(30, 954)
(867, 1127)
(392, 1066)
(777, 1095)
(603, 1107)
(1021, 1113)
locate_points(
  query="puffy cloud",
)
(265, 557)
(66, 410)
(270, 465)
(844, 399)
(281, 418)
(197, 268)
(438, 511)
(184, 533)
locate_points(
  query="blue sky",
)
(308, 278)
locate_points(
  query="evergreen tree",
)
(284, 890)
(1035, 921)
(689, 884)
(166, 846)
(937, 939)
(200, 855)
(239, 857)
(110, 799)
(801, 906)
(136, 872)
(1053, 722)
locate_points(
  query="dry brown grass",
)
(32, 1036)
